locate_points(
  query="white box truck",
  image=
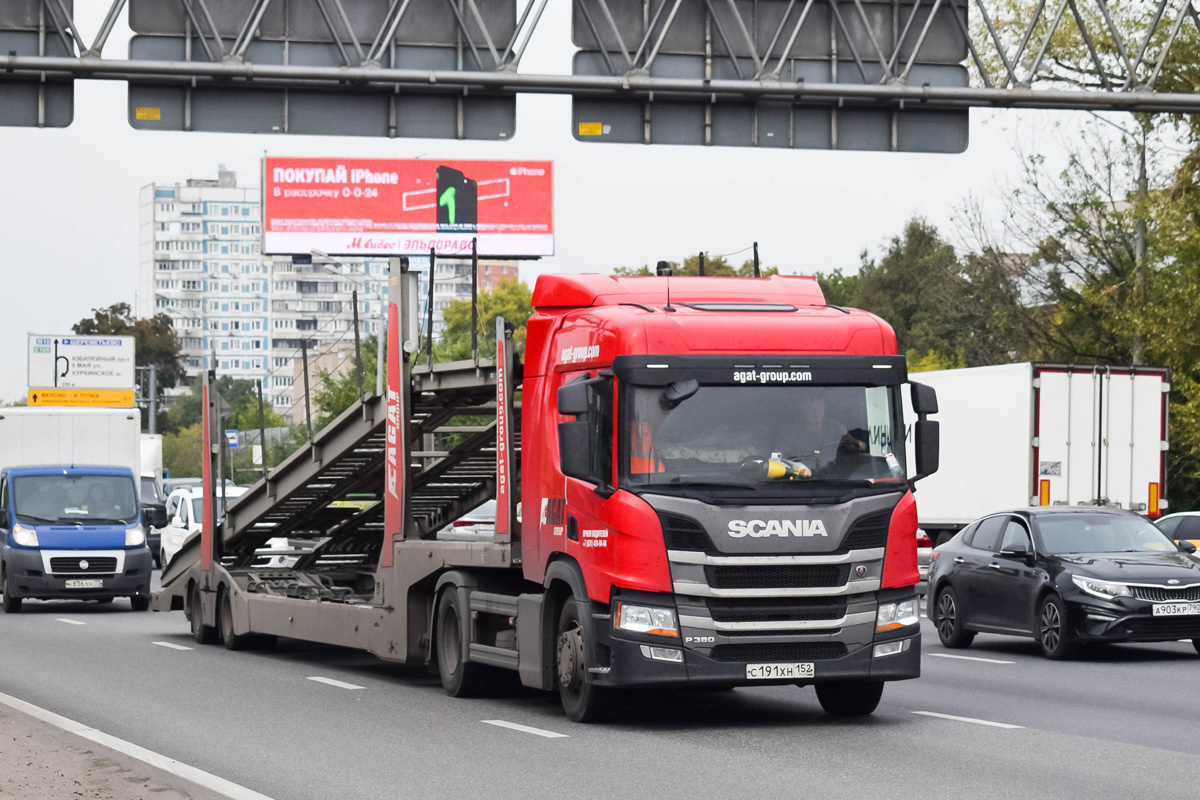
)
(1027, 434)
(77, 436)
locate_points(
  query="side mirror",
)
(574, 447)
(928, 445)
(573, 398)
(1186, 546)
(1016, 551)
(176, 521)
(924, 399)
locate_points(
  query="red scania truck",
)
(713, 483)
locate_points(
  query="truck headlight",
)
(893, 616)
(26, 537)
(135, 536)
(646, 619)
(1102, 589)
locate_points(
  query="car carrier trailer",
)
(676, 530)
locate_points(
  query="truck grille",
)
(682, 533)
(1162, 594)
(71, 564)
(778, 651)
(868, 532)
(777, 610)
(777, 577)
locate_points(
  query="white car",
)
(184, 512)
(185, 509)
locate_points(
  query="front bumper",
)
(29, 577)
(1126, 620)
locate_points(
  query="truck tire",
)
(12, 605)
(459, 678)
(1196, 645)
(582, 700)
(849, 698)
(948, 619)
(203, 634)
(231, 640)
(139, 602)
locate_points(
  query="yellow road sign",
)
(104, 398)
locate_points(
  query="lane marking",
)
(338, 684)
(69, 621)
(199, 777)
(970, 658)
(172, 645)
(499, 723)
(969, 719)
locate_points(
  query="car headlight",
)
(893, 616)
(26, 537)
(135, 536)
(1102, 589)
(646, 619)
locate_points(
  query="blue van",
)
(72, 533)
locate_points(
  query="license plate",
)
(1174, 609)
(770, 672)
(85, 583)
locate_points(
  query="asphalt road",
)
(1120, 722)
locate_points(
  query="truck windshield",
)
(690, 433)
(70, 499)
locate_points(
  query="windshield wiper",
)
(101, 520)
(33, 519)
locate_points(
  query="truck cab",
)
(72, 532)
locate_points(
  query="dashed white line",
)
(172, 645)
(969, 719)
(970, 658)
(209, 781)
(69, 621)
(332, 682)
(499, 723)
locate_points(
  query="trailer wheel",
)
(203, 634)
(12, 605)
(231, 640)
(459, 678)
(582, 700)
(849, 698)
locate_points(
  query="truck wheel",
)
(459, 678)
(203, 634)
(582, 700)
(1052, 630)
(231, 640)
(849, 698)
(12, 605)
(139, 602)
(947, 616)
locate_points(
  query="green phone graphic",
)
(457, 198)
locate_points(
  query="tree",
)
(153, 337)
(333, 394)
(511, 299)
(837, 288)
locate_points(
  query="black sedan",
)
(1065, 576)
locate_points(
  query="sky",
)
(69, 197)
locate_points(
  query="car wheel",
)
(139, 602)
(1053, 635)
(12, 605)
(203, 634)
(948, 617)
(460, 678)
(582, 700)
(1196, 644)
(849, 698)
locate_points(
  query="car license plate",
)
(769, 672)
(85, 583)
(1174, 609)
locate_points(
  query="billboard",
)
(389, 207)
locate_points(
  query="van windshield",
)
(71, 499)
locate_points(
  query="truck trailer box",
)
(71, 436)
(1031, 434)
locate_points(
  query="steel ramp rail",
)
(331, 488)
